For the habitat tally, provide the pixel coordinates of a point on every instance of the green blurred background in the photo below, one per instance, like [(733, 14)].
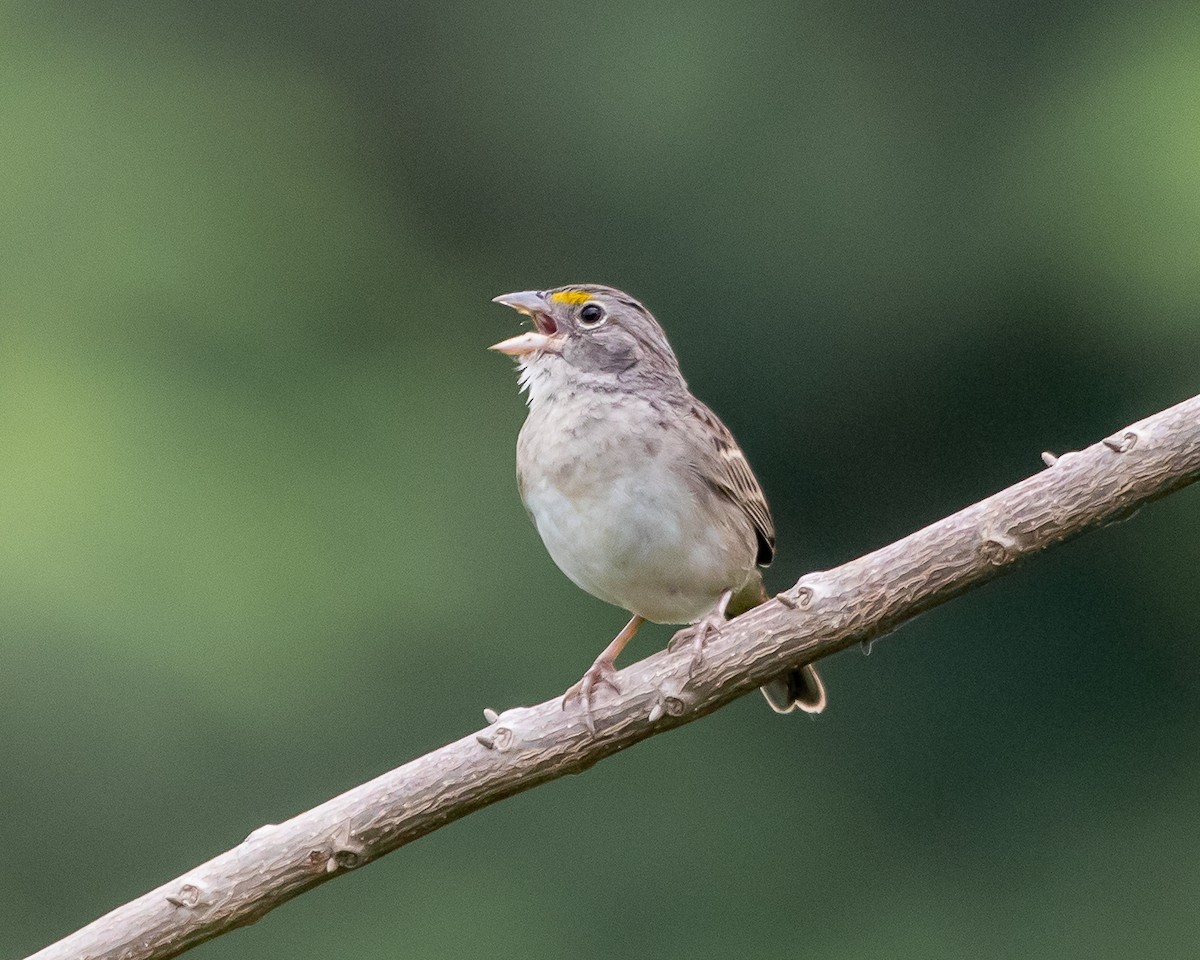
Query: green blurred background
[(260, 538)]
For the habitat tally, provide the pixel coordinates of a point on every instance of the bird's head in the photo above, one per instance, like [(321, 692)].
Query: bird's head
[(598, 331)]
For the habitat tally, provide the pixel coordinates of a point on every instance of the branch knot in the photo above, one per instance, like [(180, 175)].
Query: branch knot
[(188, 896), (1122, 442), (998, 549)]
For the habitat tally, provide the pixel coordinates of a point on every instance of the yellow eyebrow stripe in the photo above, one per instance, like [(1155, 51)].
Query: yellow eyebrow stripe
[(571, 296)]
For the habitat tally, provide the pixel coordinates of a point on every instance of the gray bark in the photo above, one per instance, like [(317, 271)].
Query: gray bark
[(822, 613)]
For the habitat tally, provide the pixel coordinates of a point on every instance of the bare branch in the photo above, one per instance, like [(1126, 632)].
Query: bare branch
[(823, 613)]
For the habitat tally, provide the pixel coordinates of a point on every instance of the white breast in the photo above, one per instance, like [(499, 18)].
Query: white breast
[(620, 514)]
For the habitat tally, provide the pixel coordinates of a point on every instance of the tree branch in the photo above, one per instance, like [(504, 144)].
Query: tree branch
[(823, 613)]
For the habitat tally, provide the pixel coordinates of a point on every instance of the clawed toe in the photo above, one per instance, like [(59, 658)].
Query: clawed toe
[(699, 632), (696, 636), (600, 673)]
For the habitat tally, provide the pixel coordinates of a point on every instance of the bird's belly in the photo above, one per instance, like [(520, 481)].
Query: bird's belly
[(646, 546)]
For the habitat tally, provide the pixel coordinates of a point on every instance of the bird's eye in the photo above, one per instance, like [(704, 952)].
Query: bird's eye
[(591, 314)]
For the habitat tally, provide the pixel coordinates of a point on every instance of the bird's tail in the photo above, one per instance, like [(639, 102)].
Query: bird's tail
[(799, 688)]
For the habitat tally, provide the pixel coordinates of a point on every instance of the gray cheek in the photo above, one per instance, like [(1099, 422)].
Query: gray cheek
[(606, 349), (613, 354), (617, 362)]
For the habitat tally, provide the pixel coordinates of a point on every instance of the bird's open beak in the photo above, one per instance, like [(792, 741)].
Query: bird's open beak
[(544, 337)]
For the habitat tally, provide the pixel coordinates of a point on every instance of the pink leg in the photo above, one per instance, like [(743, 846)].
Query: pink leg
[(699, 632), (601, 672)]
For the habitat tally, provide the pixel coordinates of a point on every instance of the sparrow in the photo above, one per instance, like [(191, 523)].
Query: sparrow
[(640, 493)]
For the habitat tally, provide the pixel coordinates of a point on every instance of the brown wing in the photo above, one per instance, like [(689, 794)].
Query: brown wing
[(733, 478)]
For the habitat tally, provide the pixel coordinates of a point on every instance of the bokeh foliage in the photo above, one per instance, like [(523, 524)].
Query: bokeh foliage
[(259, 537)]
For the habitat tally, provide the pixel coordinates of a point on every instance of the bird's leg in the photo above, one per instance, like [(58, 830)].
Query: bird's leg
[(601, 672), (699, 632)]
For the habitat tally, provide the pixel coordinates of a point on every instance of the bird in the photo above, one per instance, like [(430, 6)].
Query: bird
[(638, 490)]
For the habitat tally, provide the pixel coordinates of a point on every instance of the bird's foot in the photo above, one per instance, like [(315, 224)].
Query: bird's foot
[(599, 674), (697, 635)]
